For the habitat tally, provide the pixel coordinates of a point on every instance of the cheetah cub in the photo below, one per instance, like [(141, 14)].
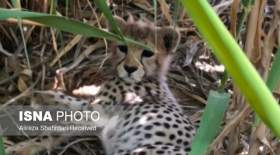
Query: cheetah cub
[(139, 114)]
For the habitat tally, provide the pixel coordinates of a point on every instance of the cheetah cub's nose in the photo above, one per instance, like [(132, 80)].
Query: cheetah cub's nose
[(130, 69)]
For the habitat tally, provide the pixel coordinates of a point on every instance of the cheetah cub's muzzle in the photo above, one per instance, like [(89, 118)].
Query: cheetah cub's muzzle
[(134, 63)]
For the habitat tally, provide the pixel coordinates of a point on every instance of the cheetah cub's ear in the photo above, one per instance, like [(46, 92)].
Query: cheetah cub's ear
[(168, 39)]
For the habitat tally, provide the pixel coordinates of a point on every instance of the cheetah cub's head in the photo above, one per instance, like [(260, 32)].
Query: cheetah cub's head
[(134, 63)]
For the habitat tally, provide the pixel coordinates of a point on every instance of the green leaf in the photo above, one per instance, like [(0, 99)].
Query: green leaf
[(2, 150), (229, 53), (247, 3), (65, 24), (217, 103), (107, 12), (58, 22), (16, 3), (155, 9), (273, 80), (53, 7)]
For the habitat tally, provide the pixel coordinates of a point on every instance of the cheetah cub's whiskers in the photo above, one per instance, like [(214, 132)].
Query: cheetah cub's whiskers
[(141, 115)]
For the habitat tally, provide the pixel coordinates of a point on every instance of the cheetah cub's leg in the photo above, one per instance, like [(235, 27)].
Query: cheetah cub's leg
[(73, 103), (59, 98), (154, 150), (42, 143)]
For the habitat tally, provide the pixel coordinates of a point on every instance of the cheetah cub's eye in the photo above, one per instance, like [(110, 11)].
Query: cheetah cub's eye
[(123, 49), (147, 53)]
